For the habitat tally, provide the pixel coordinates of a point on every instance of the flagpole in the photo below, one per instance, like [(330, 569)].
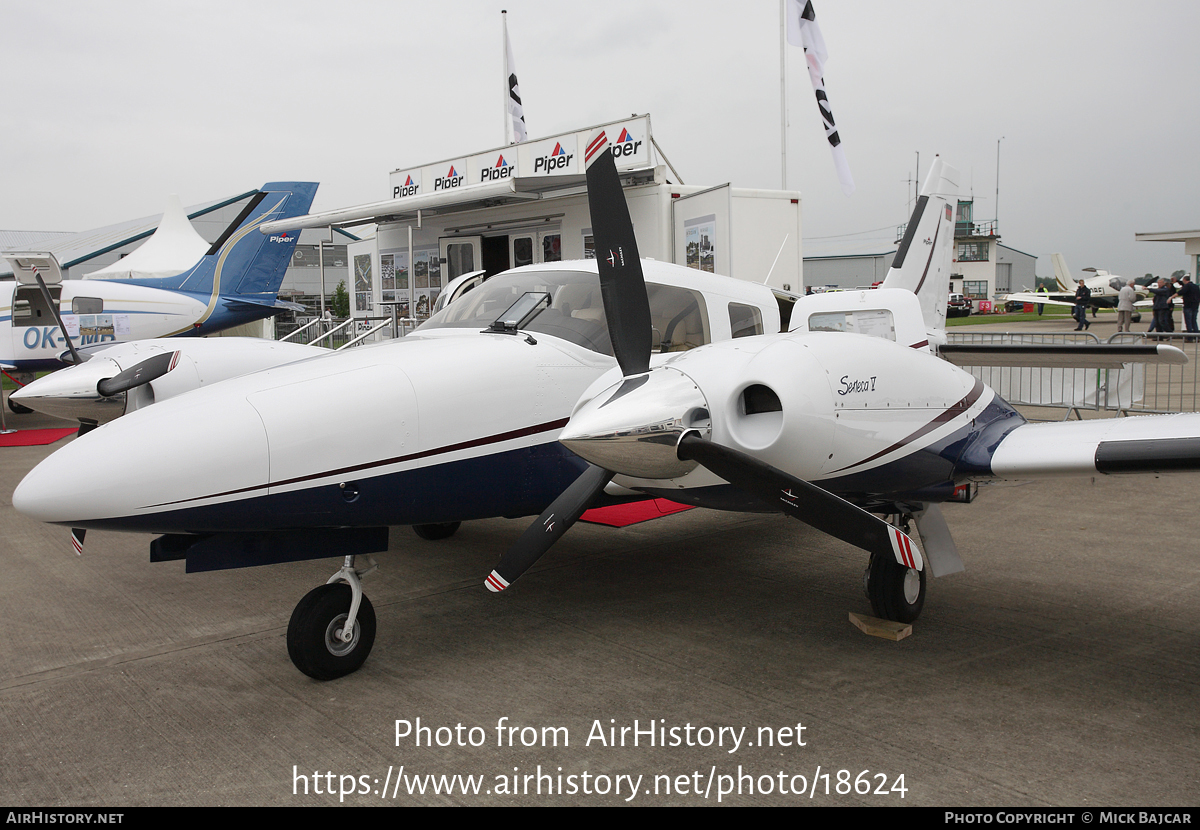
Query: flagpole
[(783, 92), (504, 61)]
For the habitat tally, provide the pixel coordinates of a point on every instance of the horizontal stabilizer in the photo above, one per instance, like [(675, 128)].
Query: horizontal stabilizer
[(265, 302), (1146, 444), (1069, 356)]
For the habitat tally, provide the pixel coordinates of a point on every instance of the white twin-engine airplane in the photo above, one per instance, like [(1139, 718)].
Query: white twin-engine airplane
[(509, 402), (236, 282)]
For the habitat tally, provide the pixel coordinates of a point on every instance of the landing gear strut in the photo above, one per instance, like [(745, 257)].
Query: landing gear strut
[(333, 628), (896, 591)]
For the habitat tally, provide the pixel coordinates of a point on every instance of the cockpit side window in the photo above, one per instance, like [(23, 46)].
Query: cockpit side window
[(745, 320), (678, 318)]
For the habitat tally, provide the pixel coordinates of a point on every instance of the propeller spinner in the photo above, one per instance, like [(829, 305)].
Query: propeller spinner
[(654, 423)]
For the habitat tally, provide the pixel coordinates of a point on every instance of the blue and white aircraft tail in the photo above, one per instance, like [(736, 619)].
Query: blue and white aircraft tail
[(239, 277), (236, 282)]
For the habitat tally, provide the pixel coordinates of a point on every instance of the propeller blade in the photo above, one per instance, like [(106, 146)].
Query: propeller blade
[(552, 524), (149, 369), (801, 500), (57, 317), (622, 286)]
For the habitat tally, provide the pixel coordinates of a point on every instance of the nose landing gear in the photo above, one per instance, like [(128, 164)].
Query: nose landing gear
[(332, 628)]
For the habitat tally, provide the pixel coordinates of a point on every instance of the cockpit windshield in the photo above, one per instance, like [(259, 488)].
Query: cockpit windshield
[(576, 312)]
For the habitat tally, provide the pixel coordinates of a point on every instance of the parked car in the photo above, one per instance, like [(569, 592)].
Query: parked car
[(958, 306)]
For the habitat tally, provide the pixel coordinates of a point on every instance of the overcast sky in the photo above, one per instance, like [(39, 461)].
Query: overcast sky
[(111, 106)]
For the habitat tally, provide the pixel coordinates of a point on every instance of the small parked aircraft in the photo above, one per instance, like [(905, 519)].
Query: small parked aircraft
[(834, 410), (236, 282), (1104, 288)]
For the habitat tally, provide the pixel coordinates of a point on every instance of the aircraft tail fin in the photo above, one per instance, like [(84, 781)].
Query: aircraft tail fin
[(243, 262), (1062, 273), (923, 262)]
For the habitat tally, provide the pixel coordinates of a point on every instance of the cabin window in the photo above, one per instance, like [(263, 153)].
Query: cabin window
[(745, 320), (874, 323), (678, 318), (87, 305)]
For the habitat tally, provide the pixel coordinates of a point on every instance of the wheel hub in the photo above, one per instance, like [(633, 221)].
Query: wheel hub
[(334, 633), (912, 586)]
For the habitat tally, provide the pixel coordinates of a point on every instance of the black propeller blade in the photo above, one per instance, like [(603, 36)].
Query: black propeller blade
[(627, 308), (552, 524), (149, 369), (806, 502), (621, 283)]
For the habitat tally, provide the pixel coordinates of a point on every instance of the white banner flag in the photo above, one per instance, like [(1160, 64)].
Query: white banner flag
[(515, 111), (802, 30)]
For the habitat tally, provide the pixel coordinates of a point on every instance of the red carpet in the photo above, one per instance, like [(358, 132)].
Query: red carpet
[(620, 515), (35, 437)]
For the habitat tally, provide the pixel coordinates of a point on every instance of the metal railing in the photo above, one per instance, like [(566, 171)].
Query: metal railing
[(335, 333), (1134, 389)]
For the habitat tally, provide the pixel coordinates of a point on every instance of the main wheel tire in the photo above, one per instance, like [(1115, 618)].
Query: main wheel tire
[(896, 592), (436, 531), (311, 637), (18, 408)]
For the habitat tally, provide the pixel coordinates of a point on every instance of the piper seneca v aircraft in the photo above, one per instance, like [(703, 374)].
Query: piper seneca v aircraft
[(847, 415)]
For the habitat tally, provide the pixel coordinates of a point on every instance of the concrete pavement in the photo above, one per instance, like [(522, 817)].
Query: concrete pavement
[(1060, 669)]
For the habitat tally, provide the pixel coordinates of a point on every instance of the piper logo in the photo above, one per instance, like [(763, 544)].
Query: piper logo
[(451, 179), (283, 237), (625, 145), (409, 188), (557, 160), (500, 170)]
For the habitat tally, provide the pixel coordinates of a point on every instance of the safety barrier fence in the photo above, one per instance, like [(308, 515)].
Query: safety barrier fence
[(1135, 388)]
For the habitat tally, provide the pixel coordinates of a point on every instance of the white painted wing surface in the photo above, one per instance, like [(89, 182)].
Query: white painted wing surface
[(1146, 444)]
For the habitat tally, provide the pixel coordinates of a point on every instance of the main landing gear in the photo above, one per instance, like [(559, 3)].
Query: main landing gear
[(442, 530), (333, 628), (896, 591)]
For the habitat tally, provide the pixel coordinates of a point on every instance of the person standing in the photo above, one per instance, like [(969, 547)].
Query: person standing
[(1189, 294), (1163, 292), (1125, 300), (1083, 298)]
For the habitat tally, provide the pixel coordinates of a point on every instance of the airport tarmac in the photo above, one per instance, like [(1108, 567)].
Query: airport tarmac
[(1061, 669)]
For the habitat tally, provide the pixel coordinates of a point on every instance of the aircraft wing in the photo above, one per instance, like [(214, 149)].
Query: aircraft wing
[(1050, 299), (1145, 444), (1060, 356)]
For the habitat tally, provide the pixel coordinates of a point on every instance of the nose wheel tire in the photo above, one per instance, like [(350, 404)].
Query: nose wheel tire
[(896, 592), (434, 532), (314, 638)]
